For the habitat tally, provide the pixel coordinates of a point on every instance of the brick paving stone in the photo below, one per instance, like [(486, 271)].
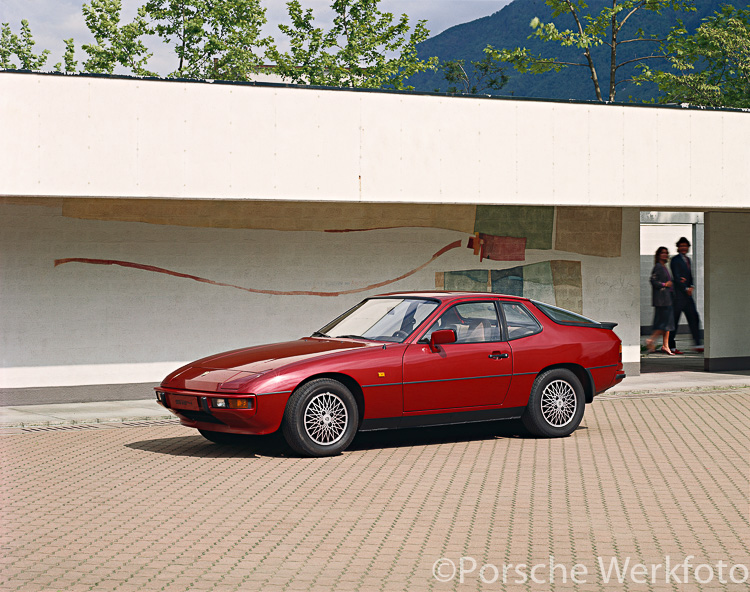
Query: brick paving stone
[(152, 507)]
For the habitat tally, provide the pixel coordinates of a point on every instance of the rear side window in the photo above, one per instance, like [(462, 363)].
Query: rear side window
[(560, 315), (521, 323), (473, 322)]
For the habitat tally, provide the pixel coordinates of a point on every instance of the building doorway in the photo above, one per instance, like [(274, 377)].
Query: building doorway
[(665, 229)]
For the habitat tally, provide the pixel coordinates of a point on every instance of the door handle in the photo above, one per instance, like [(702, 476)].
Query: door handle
[(497, 355)]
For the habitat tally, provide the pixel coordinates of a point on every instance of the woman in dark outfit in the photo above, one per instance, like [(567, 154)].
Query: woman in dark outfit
[(662, 293)]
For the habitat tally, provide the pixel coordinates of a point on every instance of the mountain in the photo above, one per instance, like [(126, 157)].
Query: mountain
[(509, 28)]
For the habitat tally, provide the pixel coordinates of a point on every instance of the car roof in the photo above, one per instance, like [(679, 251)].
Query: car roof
[(445, 295)]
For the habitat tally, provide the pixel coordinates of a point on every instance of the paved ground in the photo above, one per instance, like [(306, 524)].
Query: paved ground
[(152, 506)]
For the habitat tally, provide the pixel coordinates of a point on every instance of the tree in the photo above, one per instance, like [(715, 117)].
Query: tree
[(364, 47), (710, 67), (20, 46), (212, 38), (115, 45), (591, 30), (68, 58), (486, 74)]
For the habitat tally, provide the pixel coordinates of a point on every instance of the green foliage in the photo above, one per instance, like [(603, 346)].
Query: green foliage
[(211, 38), (486, 75), (68, 57), (710, 67), (22, 47), (591, 29), (115, 45), (355, 50)]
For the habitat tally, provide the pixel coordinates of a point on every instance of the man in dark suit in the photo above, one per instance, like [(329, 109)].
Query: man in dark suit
[(682, 272)]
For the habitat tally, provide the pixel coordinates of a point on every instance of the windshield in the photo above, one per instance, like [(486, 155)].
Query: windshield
[(380, 319)]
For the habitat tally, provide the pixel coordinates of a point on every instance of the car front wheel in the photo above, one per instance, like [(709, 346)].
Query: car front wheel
[(556, 404), (320, 418)]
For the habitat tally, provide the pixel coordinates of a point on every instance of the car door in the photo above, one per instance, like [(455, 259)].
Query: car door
[(474, 371)]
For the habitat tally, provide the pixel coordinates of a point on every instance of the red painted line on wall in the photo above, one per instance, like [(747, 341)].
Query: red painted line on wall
[(363, 229), (152, 268)]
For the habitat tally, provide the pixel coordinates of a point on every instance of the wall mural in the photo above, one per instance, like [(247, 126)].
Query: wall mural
[(152, 268), (497, 233), (555, 281)]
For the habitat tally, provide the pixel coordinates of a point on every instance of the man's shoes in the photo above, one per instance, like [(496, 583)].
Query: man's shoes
[(677, 352), (699, 349)]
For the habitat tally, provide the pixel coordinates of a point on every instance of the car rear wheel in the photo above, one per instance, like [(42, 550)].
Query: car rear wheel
[(321, 418), (556, 404)]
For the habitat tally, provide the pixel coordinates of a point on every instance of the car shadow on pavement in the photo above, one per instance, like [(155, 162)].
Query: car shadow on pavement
[(197, 446), (439, 435), (273, 445)]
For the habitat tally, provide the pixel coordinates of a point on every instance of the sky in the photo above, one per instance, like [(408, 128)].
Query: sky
[(52, 21)]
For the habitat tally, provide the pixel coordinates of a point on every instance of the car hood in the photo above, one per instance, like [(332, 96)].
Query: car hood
[(229, 370), (263, 358)]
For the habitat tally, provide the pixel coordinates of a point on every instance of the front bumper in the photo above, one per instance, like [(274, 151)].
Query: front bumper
[(196, 410)]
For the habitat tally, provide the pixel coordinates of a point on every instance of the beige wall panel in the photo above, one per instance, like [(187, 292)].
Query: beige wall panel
[(498, 176), (589, 231), (673, 143), (457, 153), (211, 124), (49, 202), (605, 181), (110, 138), (735, 172), (271, 215), (163, 138), (414, 130), (727, 274), (535, 153), (82, 136), (571, 144), (706, 154), (253, 144), (640, 154), (315, 147), (72, 125)]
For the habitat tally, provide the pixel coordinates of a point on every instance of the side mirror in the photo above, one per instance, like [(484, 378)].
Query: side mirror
[(441, 336)]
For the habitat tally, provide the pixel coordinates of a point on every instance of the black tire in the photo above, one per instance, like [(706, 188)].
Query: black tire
[(556, 404), (223, 437), (321, 418)]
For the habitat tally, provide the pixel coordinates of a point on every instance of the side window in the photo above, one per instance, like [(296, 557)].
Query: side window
[(473, 322), (521, 323)]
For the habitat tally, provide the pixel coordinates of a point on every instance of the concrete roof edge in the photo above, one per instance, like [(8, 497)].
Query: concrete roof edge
[(683, 106)]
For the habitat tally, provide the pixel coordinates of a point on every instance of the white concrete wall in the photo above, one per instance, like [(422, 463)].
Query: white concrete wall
[(92, 324), (85, 136), (727, 290)]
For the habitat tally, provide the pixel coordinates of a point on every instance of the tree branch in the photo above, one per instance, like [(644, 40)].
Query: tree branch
[(652, 57), (644, 39), (631, 13)]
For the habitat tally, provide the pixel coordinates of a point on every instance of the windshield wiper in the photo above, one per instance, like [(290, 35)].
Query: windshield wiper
[(352, 337), (319, 334)]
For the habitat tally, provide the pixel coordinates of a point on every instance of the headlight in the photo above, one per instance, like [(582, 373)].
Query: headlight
[(217, 403)]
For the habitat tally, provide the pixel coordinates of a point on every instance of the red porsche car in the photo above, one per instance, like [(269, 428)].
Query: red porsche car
[(404, 360)]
